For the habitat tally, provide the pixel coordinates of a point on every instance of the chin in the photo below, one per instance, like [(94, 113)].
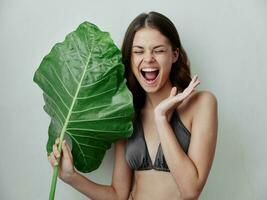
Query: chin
[(151, 89)]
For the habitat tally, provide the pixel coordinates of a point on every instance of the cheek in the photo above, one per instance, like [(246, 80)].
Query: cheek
[(166, 62), (134, 67), (136, 61), (167, 65)]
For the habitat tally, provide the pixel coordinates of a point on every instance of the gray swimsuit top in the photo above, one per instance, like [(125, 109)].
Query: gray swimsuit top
[(136, 151)]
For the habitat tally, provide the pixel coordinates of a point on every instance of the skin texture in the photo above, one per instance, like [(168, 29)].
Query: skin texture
[(198, 112)]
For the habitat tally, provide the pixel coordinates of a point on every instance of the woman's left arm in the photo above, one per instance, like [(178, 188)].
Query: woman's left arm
[(191, 171)]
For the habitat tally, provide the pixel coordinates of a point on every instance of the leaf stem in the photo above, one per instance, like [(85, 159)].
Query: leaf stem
[(55, 170), (53, 183)]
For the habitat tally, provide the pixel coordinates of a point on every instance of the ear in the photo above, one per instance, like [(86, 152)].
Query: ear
[(175, 55)]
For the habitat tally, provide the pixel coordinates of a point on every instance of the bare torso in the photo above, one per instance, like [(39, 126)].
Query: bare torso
[(153, 184)]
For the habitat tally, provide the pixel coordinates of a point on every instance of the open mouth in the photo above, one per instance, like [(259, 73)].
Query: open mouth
[(150, 74)]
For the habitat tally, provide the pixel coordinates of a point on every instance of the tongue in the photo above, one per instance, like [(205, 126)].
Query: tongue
[(151, 75)]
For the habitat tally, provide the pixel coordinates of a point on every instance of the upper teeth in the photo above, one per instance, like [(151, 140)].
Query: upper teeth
[(149, 69)]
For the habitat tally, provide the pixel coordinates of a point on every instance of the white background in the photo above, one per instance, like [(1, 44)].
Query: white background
[(226, 43)]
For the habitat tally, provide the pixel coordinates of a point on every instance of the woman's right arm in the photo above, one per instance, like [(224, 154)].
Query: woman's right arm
[(121, 178)]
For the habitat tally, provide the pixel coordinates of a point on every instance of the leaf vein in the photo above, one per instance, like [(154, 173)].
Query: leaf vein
[(55, 91), (99, 94), (77, 145), (80, 111), (92, 130), (100, 119), (65, 61), (53, 101), (62, 83)]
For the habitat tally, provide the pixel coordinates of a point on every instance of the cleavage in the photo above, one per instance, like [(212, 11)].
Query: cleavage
[(151, 139)]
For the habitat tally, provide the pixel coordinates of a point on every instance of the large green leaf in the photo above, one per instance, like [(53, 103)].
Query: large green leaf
[(85, 94)]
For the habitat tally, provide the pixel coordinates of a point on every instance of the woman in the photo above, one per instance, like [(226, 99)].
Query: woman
[(170, 153)]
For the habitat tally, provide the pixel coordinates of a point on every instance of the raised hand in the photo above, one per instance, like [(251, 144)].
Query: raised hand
[(167, 106)]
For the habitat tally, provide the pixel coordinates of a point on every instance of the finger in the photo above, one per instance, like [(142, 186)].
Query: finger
[(55, 151), (48, 157), (53, 160), (57, 141), (187, 91), (192, 82), (66, 150), (173, 92), (196, 83), (194, 78)]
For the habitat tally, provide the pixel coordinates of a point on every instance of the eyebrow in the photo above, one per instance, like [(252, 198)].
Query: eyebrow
[(140, 47), (137, 46)]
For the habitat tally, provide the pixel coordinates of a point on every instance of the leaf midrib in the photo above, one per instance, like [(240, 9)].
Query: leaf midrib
[(76, 93)]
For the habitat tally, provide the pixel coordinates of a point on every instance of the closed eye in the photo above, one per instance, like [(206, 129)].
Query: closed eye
[(159, 50), (138, 52)]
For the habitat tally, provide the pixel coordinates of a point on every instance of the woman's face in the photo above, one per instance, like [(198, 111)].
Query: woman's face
[(152, 58)]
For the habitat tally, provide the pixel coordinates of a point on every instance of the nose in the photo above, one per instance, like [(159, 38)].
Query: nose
[(148, 57)]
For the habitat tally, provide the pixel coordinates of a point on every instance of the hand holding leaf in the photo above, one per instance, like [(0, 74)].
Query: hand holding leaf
[(66, 168)]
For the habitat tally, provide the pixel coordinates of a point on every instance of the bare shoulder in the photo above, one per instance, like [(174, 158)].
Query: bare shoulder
[(196, 107), (204, 109), (202, 99), (198, 103)]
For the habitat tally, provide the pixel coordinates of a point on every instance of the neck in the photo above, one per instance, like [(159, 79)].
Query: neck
[(153, 99)]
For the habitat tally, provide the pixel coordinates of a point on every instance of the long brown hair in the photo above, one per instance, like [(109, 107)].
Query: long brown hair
[(180, 75)]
